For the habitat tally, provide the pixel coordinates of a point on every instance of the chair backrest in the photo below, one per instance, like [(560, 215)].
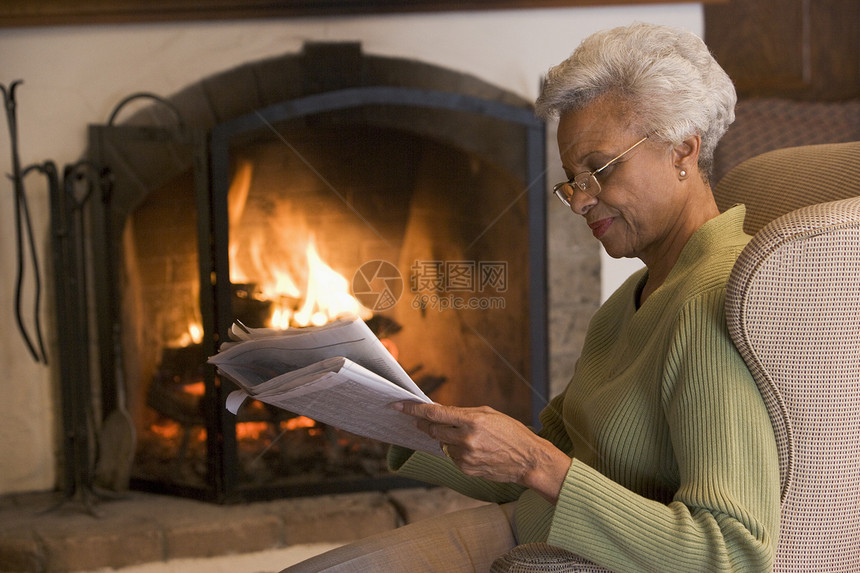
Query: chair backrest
[(793, 310), (780, 181)]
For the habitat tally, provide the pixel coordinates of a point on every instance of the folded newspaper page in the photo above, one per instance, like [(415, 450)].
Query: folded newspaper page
[(338, 374)]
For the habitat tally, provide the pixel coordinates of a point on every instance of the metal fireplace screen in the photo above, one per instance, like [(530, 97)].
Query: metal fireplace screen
[(419, 210)]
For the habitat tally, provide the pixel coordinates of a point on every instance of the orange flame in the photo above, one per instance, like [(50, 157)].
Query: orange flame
[(297, 422), (327, 295), (193, 335), (281, 256), (251, 430), (195, 389), (167, 429)]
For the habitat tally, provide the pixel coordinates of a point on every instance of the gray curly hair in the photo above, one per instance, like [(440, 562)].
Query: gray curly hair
[(672, 83)]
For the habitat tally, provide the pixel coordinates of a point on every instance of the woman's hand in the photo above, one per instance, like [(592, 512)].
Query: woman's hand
[(488, 444)]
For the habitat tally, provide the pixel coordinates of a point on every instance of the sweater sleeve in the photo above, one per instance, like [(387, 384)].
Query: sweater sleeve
[(725, 514), (442, 471)]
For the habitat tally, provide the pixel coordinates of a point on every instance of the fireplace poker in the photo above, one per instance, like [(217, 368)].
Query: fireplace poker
[(23, 234)]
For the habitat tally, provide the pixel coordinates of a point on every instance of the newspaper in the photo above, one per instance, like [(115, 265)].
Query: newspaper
[(338, 374)]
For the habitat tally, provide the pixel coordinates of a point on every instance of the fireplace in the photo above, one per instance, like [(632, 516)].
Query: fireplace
[(282, 194)]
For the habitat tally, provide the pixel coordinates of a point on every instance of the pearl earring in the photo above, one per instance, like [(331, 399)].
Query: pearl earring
[(682, 173)]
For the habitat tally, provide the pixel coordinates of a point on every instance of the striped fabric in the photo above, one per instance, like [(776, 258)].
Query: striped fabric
[(793, 309)]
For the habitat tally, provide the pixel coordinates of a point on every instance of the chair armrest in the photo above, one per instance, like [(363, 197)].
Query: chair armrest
[(543, 557)]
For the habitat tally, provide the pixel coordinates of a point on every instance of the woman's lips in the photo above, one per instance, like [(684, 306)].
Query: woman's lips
[(599, 228)]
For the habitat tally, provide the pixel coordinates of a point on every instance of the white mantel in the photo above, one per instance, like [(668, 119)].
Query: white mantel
[(74, 76)]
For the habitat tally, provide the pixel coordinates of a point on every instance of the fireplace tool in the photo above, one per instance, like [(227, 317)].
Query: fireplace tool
[(24, 236), (68, 201)]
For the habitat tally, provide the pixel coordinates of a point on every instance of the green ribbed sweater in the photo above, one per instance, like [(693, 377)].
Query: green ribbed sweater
[(674, 459)]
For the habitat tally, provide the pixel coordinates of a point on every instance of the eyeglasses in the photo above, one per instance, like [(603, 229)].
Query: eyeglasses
[(587, 181)]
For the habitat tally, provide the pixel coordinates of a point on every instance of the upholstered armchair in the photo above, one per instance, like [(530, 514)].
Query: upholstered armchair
[(793, 311)]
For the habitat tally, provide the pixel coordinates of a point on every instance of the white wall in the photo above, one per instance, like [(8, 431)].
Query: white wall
[(76, 75), (613, 272)]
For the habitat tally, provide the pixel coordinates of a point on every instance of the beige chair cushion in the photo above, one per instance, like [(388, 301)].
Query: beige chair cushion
[(783, 180)]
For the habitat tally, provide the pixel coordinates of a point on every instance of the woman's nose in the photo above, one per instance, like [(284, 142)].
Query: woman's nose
[(581, 202)]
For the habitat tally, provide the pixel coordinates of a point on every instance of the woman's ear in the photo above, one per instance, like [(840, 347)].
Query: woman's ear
[(685, 155)]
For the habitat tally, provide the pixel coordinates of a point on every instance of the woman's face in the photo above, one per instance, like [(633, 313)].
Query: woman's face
[(640, 201)]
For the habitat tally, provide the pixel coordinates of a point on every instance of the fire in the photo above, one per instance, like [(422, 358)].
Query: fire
[(196, 389), (193, 335), (297, 422), (327, 295), (167, 429), (173, 431), (251, 430), (280, 258), (195, 331)]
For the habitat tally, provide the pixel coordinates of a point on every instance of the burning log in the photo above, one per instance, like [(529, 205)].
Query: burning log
[(249, 306)]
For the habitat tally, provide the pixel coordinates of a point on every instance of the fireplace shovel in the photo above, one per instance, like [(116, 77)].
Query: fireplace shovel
[(116, 451), (118, 438)]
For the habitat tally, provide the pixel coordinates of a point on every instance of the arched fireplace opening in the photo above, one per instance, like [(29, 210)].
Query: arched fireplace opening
[(319, 168)]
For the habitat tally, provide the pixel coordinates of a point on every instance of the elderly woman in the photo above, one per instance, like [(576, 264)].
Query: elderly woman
[(659, 455)]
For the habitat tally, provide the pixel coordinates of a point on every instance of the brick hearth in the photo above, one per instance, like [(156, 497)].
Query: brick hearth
[(38, 535)]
